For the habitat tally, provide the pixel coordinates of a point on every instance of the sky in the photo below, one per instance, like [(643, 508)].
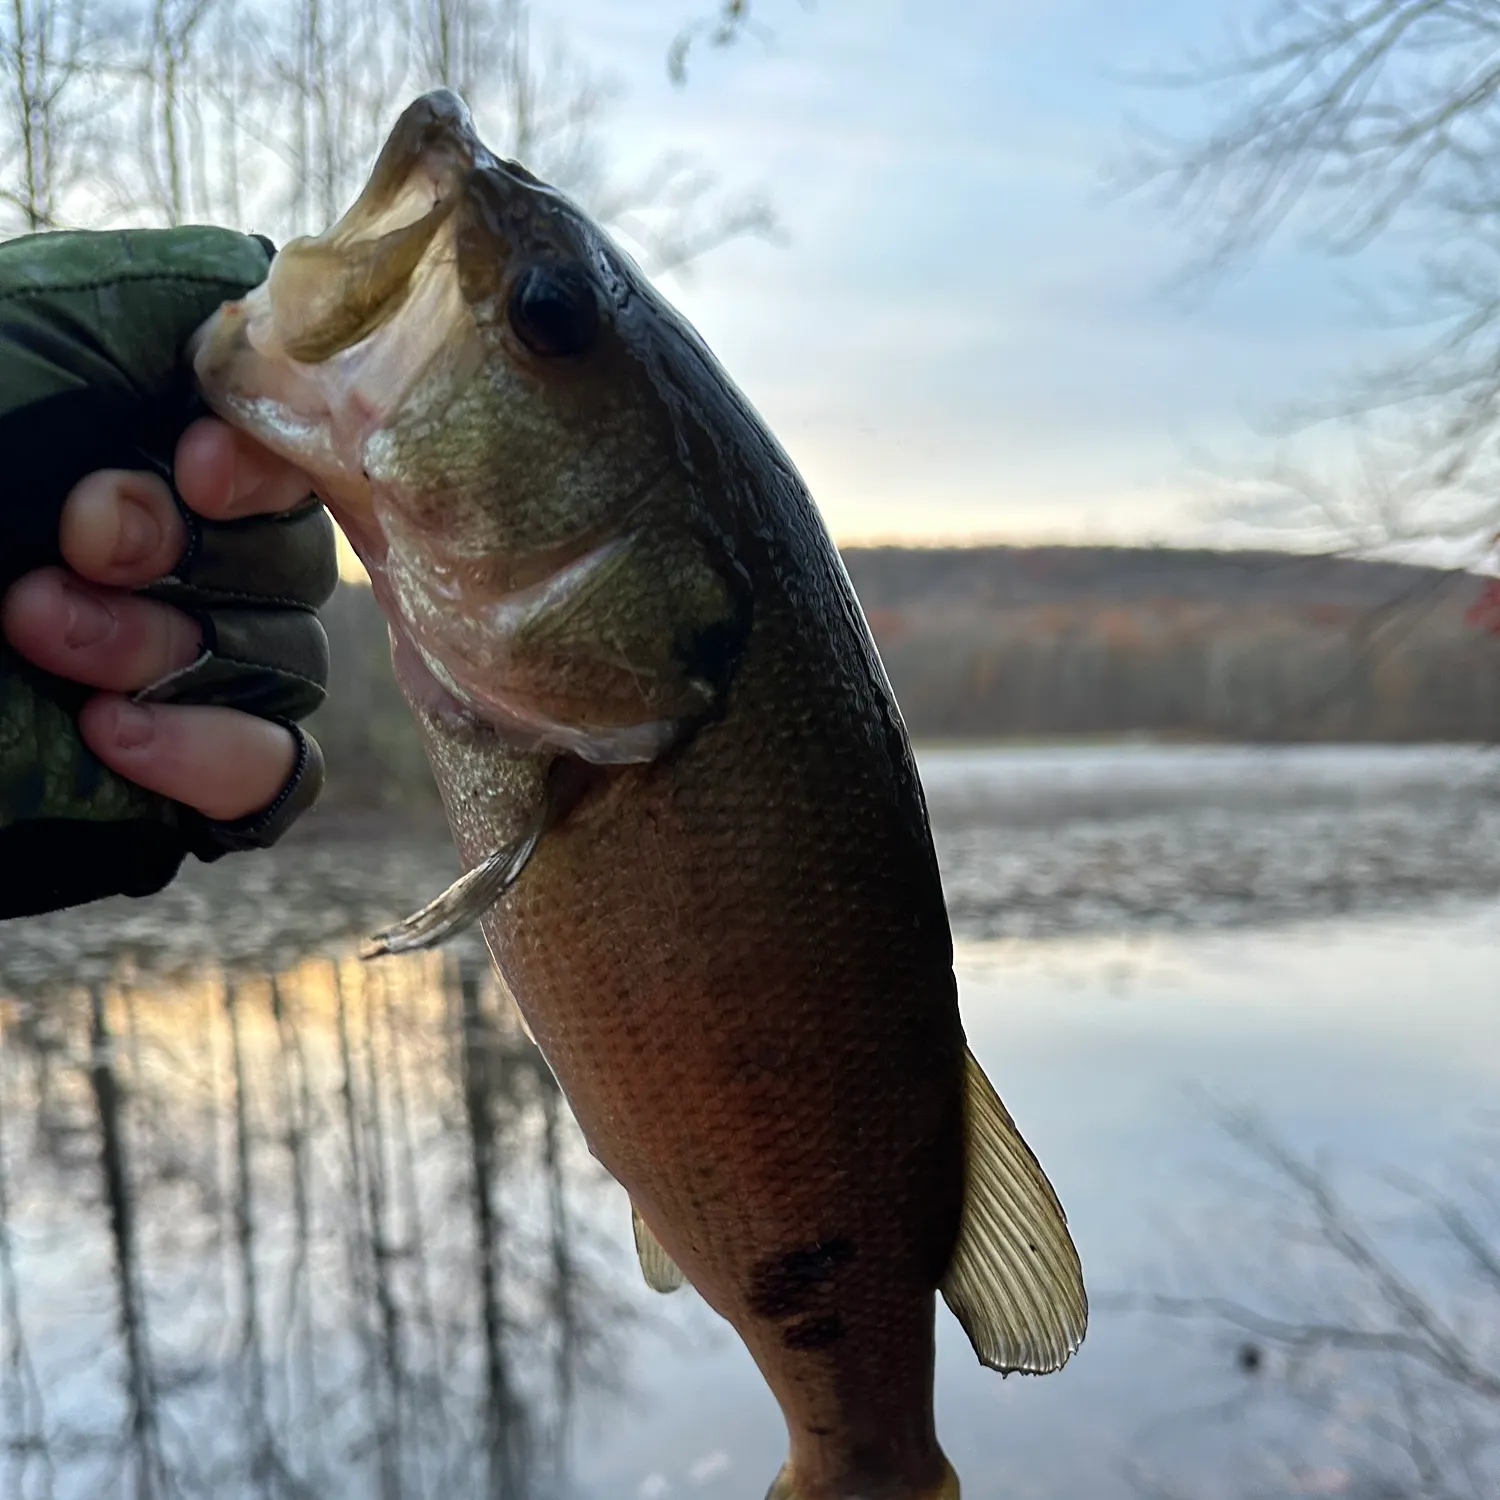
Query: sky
[(968, 331)]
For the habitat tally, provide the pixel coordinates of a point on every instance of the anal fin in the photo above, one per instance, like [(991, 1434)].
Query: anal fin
[(660, 1270), (1015, 1282)]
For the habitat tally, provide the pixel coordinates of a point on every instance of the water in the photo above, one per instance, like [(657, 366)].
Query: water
[(280, 1224)]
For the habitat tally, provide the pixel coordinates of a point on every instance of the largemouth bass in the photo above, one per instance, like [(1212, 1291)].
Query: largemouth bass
[(679, 782)]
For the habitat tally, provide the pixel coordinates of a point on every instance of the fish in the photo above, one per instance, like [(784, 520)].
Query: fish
[(682, 791)]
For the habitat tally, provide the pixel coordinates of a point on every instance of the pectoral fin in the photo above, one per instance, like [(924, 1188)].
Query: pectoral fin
[(659, 1269), (1015, 1282), (464, 902)]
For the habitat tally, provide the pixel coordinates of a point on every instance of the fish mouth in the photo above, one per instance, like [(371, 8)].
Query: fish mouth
[(326, 293), (436, 193), (389, 311), (350, 321), (329, 292), (400, 294)]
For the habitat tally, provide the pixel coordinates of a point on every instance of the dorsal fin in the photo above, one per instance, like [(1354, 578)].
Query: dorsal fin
[(1015, 1282)]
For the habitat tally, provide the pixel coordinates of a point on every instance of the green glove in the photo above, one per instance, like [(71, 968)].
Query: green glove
[(92, 376)]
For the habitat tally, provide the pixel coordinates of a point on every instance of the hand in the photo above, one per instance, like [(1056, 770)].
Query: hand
[(96, 413), (120, 530)]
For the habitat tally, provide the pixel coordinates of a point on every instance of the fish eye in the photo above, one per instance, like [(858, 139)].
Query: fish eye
[(554, 310)]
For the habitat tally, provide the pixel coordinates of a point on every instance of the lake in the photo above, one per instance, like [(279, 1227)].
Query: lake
[(280, 1224)]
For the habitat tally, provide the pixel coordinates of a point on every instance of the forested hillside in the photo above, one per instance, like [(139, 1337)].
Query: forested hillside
[(1235, 645)]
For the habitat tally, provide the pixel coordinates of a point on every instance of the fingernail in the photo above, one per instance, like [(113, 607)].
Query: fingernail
[(135, 724), (89, 620), (139, 534)]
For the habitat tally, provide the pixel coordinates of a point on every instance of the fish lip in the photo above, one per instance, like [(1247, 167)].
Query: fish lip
[(436, 139), (442, 116), (435, 136)]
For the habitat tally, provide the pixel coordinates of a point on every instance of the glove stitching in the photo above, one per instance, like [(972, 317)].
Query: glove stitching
[(218, 596), (194, 531), (221, 596), (255, 822), (261, 666), (140, 695)]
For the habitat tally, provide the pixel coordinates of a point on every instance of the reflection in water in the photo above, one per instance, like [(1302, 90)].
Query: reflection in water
[(279, 1225), (313, 1232)]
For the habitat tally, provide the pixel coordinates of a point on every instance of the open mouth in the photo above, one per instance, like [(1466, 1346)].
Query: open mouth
[(352, 353), (331, 291), (350, 322)]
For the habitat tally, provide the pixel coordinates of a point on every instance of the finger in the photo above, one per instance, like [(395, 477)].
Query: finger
[(225, 764), (121, 527), (222, 474), (96, 636)]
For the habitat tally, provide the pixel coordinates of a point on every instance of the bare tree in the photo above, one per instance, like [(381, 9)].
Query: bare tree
[(268, 117), (359, 62), (537, 103), (727, 25), (51, 50), (487, 1075), (459, 38), (543, 106), (1376, 1334), (150, 1475), (1343, 123), (349, 65), (170, 79), (21, 1395)]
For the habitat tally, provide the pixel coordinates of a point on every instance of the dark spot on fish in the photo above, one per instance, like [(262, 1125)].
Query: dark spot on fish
[(709, 651), (782, 1286), (814, 1333), (709, 654)]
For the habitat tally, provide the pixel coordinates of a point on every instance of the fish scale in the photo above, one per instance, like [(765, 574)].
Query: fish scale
[(690, 820)]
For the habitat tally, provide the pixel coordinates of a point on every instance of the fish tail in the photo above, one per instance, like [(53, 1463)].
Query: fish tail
[(786, 1488)]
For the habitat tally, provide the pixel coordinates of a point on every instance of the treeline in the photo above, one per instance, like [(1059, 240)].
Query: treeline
[(996, 642)]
